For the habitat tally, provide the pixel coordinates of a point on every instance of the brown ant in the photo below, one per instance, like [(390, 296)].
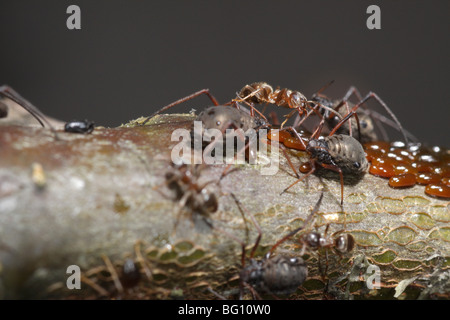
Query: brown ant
[(182, 180), (273, 274), (11, 94), (262, 92)]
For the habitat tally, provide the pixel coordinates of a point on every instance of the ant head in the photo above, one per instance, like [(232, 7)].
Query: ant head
[(313, 239), (344, 243), (298, 99)]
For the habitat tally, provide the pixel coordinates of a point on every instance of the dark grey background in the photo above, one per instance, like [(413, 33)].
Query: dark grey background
[(132, 57)]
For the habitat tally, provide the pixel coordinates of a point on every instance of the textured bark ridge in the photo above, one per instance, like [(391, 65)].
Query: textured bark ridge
[(97, 200)]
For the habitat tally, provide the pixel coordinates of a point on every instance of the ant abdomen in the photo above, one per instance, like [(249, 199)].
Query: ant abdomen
[(257, 92)]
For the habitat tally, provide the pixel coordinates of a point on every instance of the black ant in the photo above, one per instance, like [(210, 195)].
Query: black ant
[(79, 126), (11, 94), (273, 274)]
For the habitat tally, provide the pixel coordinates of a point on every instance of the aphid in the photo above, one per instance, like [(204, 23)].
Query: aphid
[(340, 153), (11, 94), (182, 180), (273, 274), (79, 126), (366, 119), (262, 92), (352, 112), (131, 275)]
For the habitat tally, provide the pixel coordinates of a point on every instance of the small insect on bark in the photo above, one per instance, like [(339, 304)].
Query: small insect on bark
[(79, 126), (183, 182), (273, 274), (338, 242)]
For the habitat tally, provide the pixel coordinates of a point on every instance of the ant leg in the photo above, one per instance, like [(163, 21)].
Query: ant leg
[(179, 101), (312, 161), (255, 223), (13, 95), (293, 232)]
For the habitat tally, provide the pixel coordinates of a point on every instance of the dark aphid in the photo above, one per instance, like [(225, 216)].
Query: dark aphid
[(366, 119), (353, 111), (79, 126), (274, 274), (339, 153), (364, 126), (11, 94), (130, 274), (278, 274)]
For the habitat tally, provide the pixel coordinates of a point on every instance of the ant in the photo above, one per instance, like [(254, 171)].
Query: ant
[(77, 126), (262, 92), (182, 180), (224, 117), (273, 274)]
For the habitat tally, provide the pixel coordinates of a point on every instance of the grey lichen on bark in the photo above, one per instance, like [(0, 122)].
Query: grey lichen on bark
[(74, 200)]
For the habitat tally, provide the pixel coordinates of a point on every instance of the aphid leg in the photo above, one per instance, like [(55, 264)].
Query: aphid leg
[(341, 177), (179, 101), (13, 95), (383, 104), (313, 168)]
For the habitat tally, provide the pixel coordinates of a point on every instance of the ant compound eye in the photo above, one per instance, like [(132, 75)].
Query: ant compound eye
[(363, 124), (357, 164)]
